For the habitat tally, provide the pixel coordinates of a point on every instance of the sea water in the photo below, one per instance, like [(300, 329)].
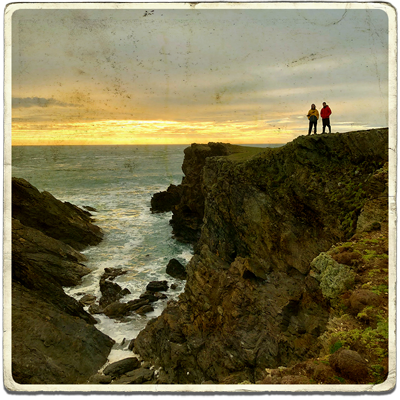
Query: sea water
[(117, 181)]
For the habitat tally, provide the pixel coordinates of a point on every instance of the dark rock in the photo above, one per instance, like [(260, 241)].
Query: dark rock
[(119, 310), (125, 291), (141, 375), (247, 304), (53, 341), (111, 292), (295, 380), (100, 379), (157, 286), (160, 296), (87, 299), (137, 303), (362, 298), (51, 331), (112, 273), (116, 310), (131, 344), (89, 208), (187, 217), (176, 269), (349, 365), (121, 367), (165, 201), (144, 309), (53, 338), (135, 377), (149, 296), (324, 373), (174, 286), (95, 309), (61, 221), (42, 256)]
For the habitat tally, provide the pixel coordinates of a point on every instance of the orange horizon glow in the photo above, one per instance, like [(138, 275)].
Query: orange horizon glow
[(136, 132)]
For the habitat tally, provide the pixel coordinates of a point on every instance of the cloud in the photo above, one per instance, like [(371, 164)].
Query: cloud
[(25, 102), (204, 66)]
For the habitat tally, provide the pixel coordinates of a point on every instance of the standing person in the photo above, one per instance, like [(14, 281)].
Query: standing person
[(325, 113), (313, 116)]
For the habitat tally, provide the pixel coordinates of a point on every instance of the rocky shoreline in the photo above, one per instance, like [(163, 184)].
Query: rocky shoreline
[(288, 284), (54, 341)]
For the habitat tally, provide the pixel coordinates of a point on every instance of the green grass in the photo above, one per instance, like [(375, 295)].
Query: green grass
[(244, 153)]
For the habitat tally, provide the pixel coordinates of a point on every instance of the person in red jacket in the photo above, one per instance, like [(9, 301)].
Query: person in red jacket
[(325, 113)]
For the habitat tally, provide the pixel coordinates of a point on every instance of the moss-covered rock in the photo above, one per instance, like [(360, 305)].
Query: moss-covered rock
[(334, 278)]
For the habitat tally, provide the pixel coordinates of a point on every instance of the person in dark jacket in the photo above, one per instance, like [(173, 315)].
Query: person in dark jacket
[(313, 116), (325, 113)]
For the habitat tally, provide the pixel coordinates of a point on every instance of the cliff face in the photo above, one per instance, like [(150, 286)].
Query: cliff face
[(252, 298), (54, 340)]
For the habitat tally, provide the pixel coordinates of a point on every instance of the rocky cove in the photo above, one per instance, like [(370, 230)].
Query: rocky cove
[(288, 283)]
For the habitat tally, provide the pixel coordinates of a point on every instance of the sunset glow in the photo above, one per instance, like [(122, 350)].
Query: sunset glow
[(192, 75), (146, 132)]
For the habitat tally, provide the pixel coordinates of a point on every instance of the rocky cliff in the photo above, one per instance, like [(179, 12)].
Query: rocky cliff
[(54, 340), (257, 296)]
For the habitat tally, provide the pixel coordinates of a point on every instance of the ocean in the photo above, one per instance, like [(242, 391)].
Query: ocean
[(118, 181)]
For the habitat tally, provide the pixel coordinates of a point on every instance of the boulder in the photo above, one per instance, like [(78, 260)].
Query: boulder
[(112, 273), (87, 299), (116, 310), (144, 309), (111, 292), (157, 286), (149, 296), (166, 201), (95, 309), (333, 278), (349, 365), (100, 379), (176, 269), (362, 298), (119, 310), (121, 367), (135, 377), (324, 373)]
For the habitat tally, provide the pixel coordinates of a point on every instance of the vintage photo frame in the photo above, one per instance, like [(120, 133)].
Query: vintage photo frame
[(386, 386)]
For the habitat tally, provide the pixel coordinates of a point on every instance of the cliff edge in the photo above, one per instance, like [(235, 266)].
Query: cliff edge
[(54, 340), (273, 231)]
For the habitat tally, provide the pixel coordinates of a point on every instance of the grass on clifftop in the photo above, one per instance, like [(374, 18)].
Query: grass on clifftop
[(244, 153)]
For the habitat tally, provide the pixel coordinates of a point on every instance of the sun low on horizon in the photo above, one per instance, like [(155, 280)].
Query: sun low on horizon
[(147, 75)]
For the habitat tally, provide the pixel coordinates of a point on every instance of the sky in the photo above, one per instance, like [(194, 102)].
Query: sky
[(180, 76)]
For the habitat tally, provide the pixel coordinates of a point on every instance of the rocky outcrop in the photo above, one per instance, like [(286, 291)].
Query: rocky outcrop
[(176, 269), (128, 371), (187, 200), (166, 201), (54, 340), (62, 221), (253, 299)]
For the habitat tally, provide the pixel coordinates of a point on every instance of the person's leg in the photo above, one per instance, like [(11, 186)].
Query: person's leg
[(315, 127), (329, 125), (309, 128), (323, 125)]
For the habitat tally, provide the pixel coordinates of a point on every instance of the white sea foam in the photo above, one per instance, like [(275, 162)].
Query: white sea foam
[(118, 181)]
